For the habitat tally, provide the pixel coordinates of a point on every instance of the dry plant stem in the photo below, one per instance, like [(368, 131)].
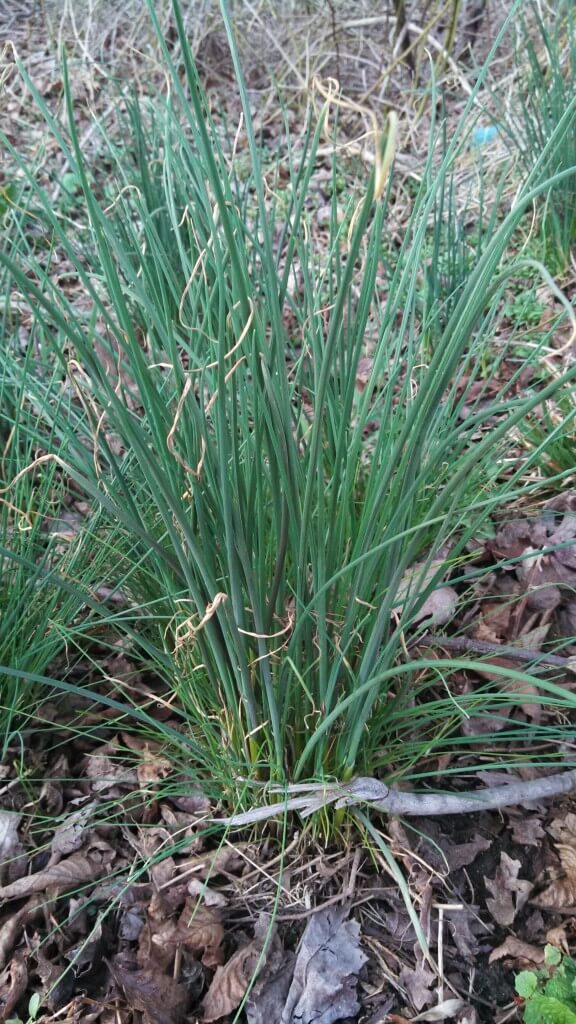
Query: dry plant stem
[(404, 804), (464, 643)]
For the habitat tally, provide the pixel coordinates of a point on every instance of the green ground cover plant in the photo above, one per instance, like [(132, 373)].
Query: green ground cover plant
[(549, 995), (275, 530)]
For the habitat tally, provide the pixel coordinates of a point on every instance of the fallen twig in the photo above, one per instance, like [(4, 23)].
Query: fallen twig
[(465, 643), (400, 803)]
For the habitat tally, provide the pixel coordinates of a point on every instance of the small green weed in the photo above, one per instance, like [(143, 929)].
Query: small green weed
[(524, 309), (550, 994), (33, 1009)]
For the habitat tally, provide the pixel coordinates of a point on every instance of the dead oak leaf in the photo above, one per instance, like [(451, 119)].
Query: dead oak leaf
[(526, 830), (418, 984), (561, 892), (509, 892)]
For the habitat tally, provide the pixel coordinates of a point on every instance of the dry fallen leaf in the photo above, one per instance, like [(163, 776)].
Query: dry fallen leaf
[(561, 893), (106, 768), (230, 983), (198, 929), (418, 983), (439, 606), (268, 996), (147, 989), (13, 985), (85, 866), (10, 846), (510, 892), (11, 930), (328, 962), (527, 830), (524, 955)]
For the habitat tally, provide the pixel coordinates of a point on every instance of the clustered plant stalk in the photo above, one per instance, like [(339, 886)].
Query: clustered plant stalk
[(256, 510)]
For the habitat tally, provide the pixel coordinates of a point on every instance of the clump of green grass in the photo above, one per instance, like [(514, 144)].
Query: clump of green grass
[(203, 398), (546, 87), (46, 581)]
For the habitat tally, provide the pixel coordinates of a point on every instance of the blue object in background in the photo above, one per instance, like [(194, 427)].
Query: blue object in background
[(482, 136)]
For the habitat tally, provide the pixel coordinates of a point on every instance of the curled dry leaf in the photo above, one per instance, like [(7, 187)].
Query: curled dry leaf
[(85, 866), (510, 892), (230, 983), (147, 989), (69, 834), (561, 893), (106, 767), (211, 897), (13, 985), (524, 955), (12, 927), (10, 845), (268, 996), (198, 929), (445, 1010)]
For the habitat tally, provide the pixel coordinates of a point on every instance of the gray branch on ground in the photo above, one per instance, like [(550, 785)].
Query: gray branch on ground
[(400, 803)]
